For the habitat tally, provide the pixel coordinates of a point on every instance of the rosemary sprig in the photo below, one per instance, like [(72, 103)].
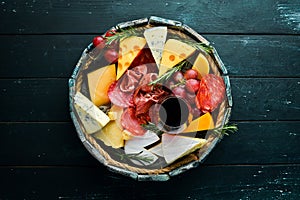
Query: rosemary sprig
[(166, 76), (197, 45), (152, 127), (225, 130), (135, 156), (123, 34)]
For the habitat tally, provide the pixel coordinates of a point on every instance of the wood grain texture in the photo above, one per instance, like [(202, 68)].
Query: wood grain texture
[(56, 55), (207, 16), (58, 144), (205, 182), (47, 99)]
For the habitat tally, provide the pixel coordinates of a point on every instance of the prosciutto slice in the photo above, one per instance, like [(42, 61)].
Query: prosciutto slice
[(117, 97), (130, 122), (120, 93)]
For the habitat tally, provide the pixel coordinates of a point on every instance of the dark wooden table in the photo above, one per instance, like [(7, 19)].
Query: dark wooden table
[(41, 156)]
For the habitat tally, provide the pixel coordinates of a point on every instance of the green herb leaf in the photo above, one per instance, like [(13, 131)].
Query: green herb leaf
[(196, 45), (121, 35), (226, 129), (135, 156), (166, 76), (200, 46), (152, 127)]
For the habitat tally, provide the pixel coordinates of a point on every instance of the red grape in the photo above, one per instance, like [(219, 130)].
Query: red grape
[(179, 91), (111, 55), (99, 42), (178, 76), (192, 85), (191, 74), (110, 33), (190, 97), (170, 84)]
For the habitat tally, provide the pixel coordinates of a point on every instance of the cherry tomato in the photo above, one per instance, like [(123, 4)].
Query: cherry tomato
[(111, 55), (179, 91), (191, 74), (177, 76), (192, 85), (110, 33), (99, 42)]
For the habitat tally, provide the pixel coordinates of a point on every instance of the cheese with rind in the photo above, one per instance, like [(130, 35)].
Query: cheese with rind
[(156, 38), (99, 82), (174, 52), (201, 65), (111, 135), (204, 122), (91, 117), (129, 49), (175, 146), (136, 144), (157, 150)]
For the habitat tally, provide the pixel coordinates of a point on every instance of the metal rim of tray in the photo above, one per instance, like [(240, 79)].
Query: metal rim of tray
[(174, 169)]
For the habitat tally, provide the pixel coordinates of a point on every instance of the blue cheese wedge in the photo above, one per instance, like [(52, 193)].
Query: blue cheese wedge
[(156, 38), (176, 146), (91, 117)]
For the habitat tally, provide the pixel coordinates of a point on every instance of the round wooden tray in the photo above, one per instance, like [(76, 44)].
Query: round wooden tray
[(162, 173)]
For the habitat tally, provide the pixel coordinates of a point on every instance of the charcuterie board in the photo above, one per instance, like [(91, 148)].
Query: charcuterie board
[(150, 98)]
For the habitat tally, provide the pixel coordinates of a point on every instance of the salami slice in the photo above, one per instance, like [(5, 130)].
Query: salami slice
[(211, 93)]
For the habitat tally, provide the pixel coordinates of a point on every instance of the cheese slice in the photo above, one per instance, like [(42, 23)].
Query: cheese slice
[(204, 122), (157, 150), (136, 144), (111, 135), (174, 52), (99, 82), (139, 142), (175, 146), (91, 117), (156, 38), (129, 49), (201, 65)]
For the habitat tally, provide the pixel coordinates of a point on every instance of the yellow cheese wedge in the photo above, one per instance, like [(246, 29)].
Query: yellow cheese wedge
[(115, 112), (204, 122), (201, 65), (99, 82), (129, 49), (176, 146), (111, 135), (174, 52)]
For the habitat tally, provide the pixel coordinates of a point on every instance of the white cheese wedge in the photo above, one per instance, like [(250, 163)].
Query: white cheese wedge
[(139, 142), (91, 117), (157, 150), (156, 38), (135, 145), (175, 146)]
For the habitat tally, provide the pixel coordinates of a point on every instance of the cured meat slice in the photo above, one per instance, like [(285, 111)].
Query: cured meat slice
[(211, 93), (120, 92), (130, 122), (117, 97)]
